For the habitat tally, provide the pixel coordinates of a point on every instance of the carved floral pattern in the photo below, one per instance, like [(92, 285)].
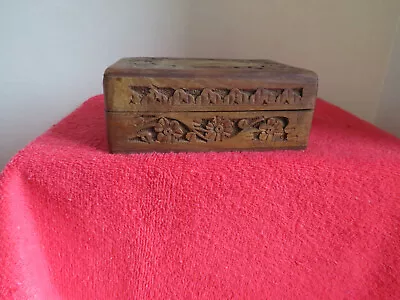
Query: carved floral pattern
[(270, 129), (168, 131), (218, 129), (207, 96), (152, 129)]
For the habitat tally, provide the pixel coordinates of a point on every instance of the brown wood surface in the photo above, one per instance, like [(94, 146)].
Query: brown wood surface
[(194, 67), (173, 104), (208, 131), (122, 95), (156, 78)]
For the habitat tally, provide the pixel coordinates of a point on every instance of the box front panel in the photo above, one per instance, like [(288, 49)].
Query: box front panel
[(207, 131)]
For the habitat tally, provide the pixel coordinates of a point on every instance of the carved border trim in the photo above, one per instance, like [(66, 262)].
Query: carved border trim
[(208, 96)]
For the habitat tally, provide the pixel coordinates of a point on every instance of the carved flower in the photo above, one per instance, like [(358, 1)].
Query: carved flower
[(168, 131), (272, 127), (218, 129)]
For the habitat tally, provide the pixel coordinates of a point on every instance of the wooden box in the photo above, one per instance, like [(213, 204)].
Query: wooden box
[(169, 104)]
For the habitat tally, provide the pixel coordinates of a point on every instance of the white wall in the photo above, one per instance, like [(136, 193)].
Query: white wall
[(53, 53), (388, 117)]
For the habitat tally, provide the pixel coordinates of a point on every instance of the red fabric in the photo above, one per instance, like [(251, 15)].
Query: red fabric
[(79, 223)]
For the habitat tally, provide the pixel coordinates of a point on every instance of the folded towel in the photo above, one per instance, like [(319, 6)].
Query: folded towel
[(79, 223)]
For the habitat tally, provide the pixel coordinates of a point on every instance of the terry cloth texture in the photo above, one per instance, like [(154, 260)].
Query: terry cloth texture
[(79, 223)]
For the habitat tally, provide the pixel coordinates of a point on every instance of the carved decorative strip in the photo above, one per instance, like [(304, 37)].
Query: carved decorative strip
[(156, 129), (207, 96)]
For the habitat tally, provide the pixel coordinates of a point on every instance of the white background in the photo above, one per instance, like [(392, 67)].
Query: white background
[(53, 53)]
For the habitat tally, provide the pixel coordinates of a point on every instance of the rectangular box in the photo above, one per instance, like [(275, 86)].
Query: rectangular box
[(172, 104)]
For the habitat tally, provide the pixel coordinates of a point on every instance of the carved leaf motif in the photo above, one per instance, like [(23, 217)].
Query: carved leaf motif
[(180, 97), (244, 123), (208, 96), (155, 96), (263, 136), (235, 96), (288, 96), (263, 96), (145, 136), (275, 123), (191, 136), (135, 97)]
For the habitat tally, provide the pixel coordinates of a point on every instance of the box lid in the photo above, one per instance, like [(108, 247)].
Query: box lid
[(164, 66), (197, 84)]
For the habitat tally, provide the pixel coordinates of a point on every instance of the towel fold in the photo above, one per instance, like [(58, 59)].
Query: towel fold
[(79, 223)]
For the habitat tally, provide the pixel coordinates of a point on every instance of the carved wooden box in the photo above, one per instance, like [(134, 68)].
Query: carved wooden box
[(165, 104)]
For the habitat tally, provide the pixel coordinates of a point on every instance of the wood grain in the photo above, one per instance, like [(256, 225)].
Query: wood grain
[(173, 104), (208, 131)]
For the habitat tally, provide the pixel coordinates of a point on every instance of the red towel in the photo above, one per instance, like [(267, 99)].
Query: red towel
[(79, 223)]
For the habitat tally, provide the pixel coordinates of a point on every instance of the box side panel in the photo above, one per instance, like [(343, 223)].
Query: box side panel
[(160, 94), (208, 131)]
